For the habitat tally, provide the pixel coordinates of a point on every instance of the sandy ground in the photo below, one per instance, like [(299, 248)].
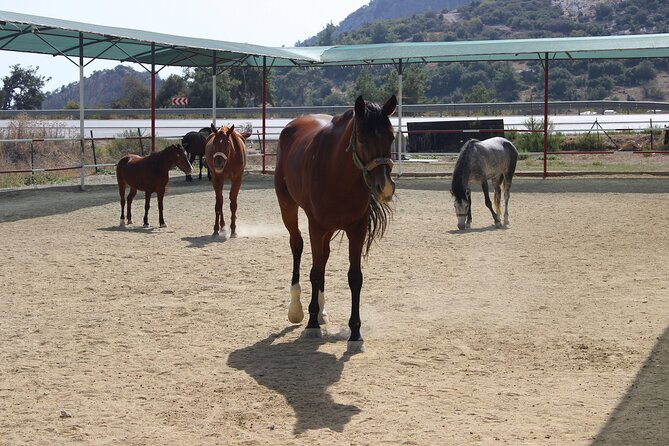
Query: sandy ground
[(553, 331)]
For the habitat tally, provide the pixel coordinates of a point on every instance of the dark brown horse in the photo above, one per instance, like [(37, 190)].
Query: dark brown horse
[(149, 174), (226, 156), (194, 143), (337, 169)]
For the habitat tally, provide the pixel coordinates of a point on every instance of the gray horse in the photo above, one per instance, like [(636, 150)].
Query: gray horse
[(494, 159)]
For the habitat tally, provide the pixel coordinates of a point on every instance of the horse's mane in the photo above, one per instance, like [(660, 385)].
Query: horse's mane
[(379, 213), (459, 183)]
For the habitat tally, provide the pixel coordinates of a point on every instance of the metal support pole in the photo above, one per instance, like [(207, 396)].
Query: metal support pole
[(81, 110), (399, 120), (546, 116), (264, 112), (213, 90), (153, 97)]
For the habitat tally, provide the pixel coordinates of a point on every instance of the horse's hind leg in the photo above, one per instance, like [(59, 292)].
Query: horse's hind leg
[(121, 191), (497, 196), (488, 203), (147, 205), (131, 196), (507, 194), (320, 249)]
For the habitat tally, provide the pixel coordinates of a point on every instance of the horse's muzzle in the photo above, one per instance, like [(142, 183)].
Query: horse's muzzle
[(219, 161), (385, 190)]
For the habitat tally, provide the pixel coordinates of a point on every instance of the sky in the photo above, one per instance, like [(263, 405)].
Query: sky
[(262, 22)]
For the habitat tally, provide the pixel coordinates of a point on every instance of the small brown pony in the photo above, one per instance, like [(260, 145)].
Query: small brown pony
[(149, 174), (337, 169), (226, 159)]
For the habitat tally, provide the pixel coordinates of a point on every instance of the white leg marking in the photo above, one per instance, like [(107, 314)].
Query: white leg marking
[(295, 312), (322, 315)]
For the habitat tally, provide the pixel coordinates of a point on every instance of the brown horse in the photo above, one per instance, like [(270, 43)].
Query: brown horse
[(337, 169), (226, 156), (149, 174), (194, 143)]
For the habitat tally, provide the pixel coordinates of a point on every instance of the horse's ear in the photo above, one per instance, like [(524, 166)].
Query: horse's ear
[(230, 130), (213, 128), (360, 106), (390, 105)]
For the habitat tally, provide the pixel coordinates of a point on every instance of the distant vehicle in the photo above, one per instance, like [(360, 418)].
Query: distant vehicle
[(588, 112), (609, 112)]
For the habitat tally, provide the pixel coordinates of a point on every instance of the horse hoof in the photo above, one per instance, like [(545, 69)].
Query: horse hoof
[(353, 347), (122, 223), (145, 225), (323, 318), (498, 225), (312, 333), (233, 235), (164, 225), (129, 222)]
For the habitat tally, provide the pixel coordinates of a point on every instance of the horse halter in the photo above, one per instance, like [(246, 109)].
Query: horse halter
[(373, 164)]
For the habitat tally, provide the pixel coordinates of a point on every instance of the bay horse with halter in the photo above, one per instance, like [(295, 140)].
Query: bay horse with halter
[(337, 169), (194, 143), (150, 174), (225, 152), (479, 161)]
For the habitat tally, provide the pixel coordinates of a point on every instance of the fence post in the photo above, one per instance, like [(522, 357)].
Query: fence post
[(32, 160), (651, 134), (95, 158), (141, 145)]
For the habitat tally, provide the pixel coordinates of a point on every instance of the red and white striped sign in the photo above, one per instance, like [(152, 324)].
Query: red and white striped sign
[(179, 100)]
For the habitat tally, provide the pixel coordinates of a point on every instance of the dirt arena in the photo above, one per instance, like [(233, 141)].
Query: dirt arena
[(553, 331)]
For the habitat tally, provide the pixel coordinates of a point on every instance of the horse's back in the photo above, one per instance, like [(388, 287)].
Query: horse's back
[(298, 143)]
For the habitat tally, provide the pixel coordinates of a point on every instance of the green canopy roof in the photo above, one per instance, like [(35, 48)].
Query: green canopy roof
[(35, 34)]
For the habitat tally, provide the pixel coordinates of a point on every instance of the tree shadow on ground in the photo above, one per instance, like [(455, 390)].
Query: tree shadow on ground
[(642, 416), (302, 374)]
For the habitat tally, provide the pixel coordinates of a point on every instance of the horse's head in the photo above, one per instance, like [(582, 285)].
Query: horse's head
[(371, 141), (223, 146), (461, 211), (181, 158)]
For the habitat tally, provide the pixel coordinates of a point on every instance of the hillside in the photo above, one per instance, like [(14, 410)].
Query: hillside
[(387, 9), (102, 88), (445, 20)]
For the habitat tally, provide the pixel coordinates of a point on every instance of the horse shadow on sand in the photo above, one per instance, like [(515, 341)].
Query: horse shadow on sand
[(642, 416), (302, 374)]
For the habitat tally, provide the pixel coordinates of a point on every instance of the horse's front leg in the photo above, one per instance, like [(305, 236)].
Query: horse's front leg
[(188, 176), (200, 176), (320, 249), (234, 192), (356, 240), (161, 220), (468, 194), (147, 205), (488, 203), (218, 208)]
